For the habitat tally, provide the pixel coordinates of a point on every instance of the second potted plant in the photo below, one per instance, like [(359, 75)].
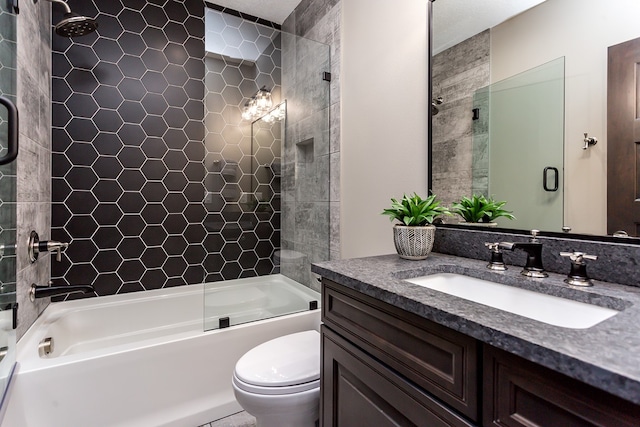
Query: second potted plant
[(414, 235), (480, 210)]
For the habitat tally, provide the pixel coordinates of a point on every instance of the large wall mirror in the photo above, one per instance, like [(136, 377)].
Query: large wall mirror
[(541, 69)]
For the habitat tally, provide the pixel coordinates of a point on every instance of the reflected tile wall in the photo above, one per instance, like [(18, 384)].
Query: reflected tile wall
[(457, 73)]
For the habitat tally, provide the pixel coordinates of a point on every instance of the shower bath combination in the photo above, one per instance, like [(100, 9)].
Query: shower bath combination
[(72, 24)]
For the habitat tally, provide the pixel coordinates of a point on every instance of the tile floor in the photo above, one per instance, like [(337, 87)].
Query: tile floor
[(241, 419)]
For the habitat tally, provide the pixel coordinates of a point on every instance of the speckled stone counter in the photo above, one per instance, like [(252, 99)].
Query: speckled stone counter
[(606, 355)]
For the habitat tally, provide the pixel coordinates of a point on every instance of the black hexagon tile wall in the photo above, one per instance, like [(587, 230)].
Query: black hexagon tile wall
[(141, 182)]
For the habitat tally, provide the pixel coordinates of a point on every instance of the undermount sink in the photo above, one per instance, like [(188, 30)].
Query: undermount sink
[(533, 305)]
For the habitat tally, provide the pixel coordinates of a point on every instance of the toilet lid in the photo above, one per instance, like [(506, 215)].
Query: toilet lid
[(284, 361)]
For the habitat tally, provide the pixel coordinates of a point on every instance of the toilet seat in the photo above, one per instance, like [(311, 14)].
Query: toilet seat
[(284, 365), (256, 389)]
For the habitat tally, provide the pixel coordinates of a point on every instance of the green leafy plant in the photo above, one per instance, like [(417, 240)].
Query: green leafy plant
[(415, 211), (480, 209)]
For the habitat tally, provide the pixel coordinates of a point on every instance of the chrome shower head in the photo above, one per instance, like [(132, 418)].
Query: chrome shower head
[(73, 25)]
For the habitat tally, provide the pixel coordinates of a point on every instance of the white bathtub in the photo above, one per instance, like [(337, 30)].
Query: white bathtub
[(143, 359)]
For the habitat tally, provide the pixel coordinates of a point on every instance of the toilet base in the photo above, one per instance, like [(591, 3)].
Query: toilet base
[(289, 410)]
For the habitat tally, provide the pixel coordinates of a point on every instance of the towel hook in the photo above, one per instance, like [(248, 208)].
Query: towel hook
[(589, 141)]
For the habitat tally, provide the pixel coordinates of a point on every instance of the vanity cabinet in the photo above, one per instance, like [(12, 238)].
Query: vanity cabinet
[(383, 366), (520, 393), (386, 348)]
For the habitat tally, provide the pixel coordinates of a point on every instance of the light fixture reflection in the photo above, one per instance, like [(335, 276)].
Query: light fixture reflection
[(277, 114), (259, 105)]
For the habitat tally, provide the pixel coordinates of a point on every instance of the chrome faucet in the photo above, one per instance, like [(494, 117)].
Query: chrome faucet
[(533, 248), (38, 291)]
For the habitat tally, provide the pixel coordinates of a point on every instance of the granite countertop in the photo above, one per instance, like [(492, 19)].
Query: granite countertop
[(606, 355)]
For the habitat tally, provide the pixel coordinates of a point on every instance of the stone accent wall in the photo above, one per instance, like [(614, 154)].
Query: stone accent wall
[(458, 73), (33, 210)]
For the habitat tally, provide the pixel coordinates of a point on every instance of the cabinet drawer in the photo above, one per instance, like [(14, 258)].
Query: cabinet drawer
[(441, 361), (519, 393), (357, 390)]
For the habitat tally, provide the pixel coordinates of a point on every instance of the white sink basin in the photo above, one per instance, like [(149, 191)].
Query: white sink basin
[(533, 305)]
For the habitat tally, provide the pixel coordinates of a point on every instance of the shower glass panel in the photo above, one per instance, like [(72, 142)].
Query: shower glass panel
[(8, 46), (267, 170), (519, 146)]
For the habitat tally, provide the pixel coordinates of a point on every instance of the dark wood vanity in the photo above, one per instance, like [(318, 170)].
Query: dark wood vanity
[(384, 366)]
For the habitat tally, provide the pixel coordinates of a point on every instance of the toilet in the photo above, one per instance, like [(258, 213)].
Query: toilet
[(278, 382)]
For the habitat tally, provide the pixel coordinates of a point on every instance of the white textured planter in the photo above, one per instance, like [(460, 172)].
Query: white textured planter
[(414, 242)]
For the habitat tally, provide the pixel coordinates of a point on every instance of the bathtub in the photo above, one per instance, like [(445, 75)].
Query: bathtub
[(142, 359)]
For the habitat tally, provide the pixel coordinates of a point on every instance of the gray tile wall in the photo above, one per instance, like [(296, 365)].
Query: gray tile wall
[(34, 160), (457, 73), (320, 20)]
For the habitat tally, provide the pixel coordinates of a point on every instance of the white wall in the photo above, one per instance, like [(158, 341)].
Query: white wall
[(581, 31), (384, 117)]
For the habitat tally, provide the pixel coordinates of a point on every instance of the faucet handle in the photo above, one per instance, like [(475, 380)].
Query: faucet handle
[(493, 247), (56, 247), (496, 263), (534, 235), (578, 257), (37, 246), (578, 274)]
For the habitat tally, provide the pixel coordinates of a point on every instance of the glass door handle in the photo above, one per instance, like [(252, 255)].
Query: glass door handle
[(545, 175), (12, 131)]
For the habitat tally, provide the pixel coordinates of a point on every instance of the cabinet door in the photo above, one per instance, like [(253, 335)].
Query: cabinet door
[(519, 393), (357, 390), (437, 359)]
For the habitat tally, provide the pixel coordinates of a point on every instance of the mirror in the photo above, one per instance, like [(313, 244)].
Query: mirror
[(497, 48)]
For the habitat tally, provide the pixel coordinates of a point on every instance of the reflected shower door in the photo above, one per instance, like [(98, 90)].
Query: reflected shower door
[(526, 146)]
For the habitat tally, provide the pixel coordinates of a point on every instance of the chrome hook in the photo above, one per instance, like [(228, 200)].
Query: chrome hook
[(589, 141)]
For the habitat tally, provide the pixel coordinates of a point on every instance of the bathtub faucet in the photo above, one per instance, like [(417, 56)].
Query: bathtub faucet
[(38, 291)]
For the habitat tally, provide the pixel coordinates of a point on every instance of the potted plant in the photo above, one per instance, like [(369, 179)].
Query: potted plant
[(415, 233), (480, 210)]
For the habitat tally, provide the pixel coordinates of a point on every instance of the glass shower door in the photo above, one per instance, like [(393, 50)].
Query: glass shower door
[(8, 47), (267, 170)]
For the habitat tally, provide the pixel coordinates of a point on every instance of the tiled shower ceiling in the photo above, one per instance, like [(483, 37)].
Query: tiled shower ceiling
[(129, 169)]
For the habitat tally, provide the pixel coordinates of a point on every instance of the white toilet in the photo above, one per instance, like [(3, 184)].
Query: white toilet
[(278, 382)]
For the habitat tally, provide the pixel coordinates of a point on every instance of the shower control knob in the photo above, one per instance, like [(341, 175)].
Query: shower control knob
[(36, 246)]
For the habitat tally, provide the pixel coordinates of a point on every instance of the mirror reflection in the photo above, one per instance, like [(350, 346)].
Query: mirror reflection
[(466, 66)]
